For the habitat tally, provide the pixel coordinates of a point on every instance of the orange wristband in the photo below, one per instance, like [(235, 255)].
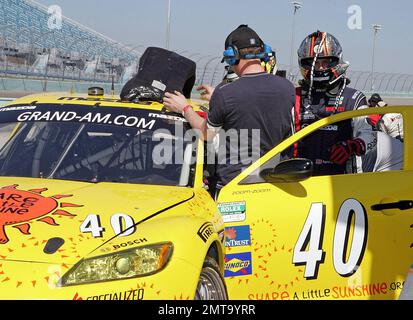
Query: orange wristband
[(185, 109)]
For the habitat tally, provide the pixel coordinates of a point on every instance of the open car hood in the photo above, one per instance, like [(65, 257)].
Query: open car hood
[(34, 211)]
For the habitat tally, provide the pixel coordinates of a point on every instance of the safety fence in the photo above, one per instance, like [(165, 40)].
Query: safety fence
[(211, 71), (26, 85)]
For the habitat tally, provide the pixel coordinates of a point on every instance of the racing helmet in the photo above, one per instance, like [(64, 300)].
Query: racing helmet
[(321, 45)]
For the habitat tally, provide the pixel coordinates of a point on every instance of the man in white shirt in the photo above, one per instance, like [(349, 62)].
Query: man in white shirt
[(386, 156)]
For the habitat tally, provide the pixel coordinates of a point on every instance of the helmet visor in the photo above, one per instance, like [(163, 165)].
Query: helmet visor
[(322, 63)]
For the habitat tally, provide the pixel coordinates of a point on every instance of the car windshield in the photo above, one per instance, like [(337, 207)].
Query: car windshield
[(98, 152)]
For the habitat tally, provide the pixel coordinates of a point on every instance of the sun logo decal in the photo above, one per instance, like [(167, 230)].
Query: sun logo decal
[(19, 207)]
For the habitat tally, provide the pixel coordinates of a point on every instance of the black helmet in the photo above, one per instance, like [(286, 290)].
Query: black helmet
[(321, 45), (375, 97), (376, 100)]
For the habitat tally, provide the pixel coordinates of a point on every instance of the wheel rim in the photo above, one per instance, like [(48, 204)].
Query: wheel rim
[(210, 286)]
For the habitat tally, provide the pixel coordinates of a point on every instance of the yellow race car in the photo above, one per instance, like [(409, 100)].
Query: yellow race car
[(293, 235), (94, 207)]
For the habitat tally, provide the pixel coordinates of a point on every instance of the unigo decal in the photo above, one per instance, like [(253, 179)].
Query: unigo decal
[(347, 257)]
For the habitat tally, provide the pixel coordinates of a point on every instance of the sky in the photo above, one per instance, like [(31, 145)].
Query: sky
[(201, 26)]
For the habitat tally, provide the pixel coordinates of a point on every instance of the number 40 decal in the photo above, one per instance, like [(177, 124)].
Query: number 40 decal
[(122, 225), (311, 238)]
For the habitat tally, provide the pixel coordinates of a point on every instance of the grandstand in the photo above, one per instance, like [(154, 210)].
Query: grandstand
[(30, 48), (35, 57)]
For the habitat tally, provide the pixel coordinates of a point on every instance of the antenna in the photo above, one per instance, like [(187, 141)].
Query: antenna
[(113, 85)]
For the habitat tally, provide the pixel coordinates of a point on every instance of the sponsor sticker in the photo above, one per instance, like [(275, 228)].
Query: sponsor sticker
[(205, 231), (238, 264), (158, 85), (134, 294), (237, 236), (232, 211)]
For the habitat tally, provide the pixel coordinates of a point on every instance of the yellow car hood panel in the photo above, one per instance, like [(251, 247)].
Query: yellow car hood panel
[(33, 211)]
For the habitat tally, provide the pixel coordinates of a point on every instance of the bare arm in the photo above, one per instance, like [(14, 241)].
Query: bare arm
[(206, 91), (176, 102)]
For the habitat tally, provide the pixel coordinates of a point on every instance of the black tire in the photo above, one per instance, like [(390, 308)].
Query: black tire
[(211, 284)]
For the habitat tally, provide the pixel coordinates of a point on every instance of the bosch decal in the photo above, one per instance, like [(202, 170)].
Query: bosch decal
[(129, 243)]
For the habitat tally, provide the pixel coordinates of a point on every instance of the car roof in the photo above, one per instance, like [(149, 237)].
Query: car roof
[(89, 100)]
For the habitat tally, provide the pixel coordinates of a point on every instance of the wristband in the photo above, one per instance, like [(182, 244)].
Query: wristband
[(185, 109)]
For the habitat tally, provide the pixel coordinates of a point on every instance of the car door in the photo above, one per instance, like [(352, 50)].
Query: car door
[(347, 236)]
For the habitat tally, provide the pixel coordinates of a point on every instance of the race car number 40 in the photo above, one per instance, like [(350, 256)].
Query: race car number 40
[(122, 225), (312, 233)]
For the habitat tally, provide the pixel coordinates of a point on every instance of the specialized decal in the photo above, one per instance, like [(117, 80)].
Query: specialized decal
[(136, 294), (232, 211), (205, 231), (308, 249), (237, 236), (122, 225), (238, 264), (19, 207)]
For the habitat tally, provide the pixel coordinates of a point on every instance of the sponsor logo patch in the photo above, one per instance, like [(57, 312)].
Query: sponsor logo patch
[(205, 231), (237, 236), (238, 264), (232, 211)]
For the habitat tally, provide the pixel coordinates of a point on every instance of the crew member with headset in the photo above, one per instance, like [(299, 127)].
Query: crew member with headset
[(257, 100)]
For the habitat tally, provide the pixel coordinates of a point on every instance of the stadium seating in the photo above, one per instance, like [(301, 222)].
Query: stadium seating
[(29, 47)]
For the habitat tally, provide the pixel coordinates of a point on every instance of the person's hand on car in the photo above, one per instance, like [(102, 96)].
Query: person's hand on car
[(206, 91), (175, 102)]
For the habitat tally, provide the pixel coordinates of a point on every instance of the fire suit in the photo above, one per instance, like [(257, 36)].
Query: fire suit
[(317, 146)]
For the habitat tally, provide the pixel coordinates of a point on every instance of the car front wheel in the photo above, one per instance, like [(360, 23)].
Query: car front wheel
[(211, 284)]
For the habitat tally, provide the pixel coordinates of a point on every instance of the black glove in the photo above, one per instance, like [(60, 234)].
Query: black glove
[(341, 151)]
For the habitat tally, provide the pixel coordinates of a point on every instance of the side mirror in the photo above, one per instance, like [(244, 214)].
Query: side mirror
[(292, 170)]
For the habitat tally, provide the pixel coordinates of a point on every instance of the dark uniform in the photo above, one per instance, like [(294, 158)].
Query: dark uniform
[(258, 101), (324, 103)]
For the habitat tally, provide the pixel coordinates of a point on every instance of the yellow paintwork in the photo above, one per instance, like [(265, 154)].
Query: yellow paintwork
[(277, 212), (26, 272)]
